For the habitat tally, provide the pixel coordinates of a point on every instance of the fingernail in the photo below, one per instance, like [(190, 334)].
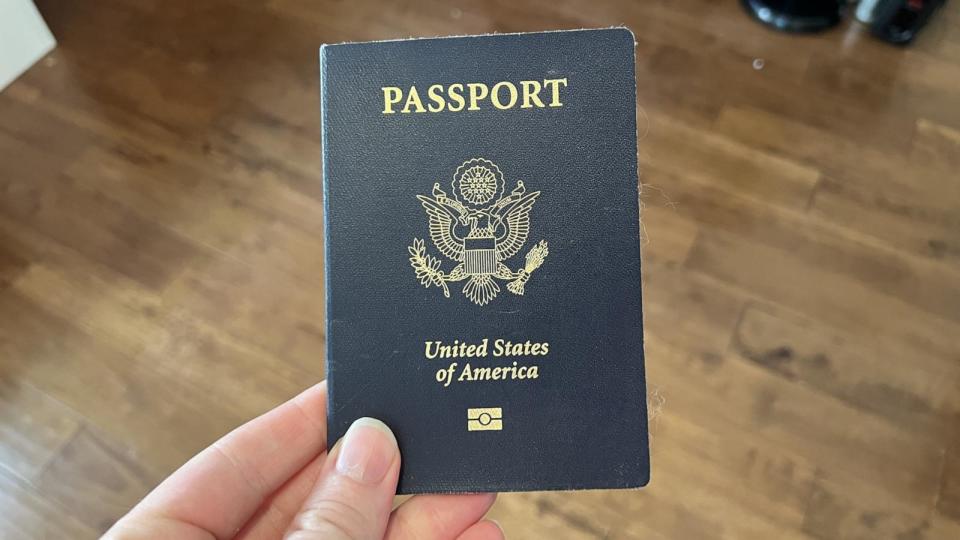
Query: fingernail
[(369, 449)]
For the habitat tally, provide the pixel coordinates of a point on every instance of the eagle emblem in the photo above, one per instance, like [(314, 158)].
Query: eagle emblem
[(479, 228)]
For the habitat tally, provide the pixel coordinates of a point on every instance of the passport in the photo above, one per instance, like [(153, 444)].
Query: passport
[(483, 293)]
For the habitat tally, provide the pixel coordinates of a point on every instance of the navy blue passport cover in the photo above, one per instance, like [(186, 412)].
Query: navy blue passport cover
[(483, 257)]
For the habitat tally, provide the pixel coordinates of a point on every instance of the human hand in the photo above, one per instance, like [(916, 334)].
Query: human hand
[(273, 477)]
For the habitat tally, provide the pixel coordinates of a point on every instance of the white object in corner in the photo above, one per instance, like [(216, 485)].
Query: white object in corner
[(24, 38)]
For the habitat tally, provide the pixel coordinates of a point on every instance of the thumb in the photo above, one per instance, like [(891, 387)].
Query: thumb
[(353, 496)]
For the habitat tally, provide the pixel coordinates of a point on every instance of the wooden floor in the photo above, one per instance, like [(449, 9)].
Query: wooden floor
[(161, 260)]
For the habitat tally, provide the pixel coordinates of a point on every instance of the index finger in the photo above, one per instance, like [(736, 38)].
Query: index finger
[(221, 487)]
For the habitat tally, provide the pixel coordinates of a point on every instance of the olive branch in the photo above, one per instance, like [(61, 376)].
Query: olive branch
[(427, 267)]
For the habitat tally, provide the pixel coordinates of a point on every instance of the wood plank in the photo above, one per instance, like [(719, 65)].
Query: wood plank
[(163, 421), (97, 227), (132, 319), (263, 141), (681, 150), (514, 510), (118, 309), (818, 292), (948, 503), (866, 189), (768, 497), (27, 515), (853, 370), (909, 227), (25, 129), (757, 248), (849, 509), (730, 80), (666, 236), (227, 215), (118, 155), (712, 477), (185, 352), (11, 265), (689, 311), (941, 527), (799, 419), (260, 305), (94, 480), (936, 145), (846, 159), (33, 427), (918, 85)]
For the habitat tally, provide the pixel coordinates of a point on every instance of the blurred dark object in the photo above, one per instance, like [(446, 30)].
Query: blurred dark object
[(796, 15), (896, 21)]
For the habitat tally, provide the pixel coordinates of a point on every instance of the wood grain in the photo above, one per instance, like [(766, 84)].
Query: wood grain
[(94, 479), (27, 514), (161, 244), (33, 428)]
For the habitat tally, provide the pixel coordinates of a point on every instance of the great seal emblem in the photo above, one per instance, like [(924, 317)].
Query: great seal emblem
[(479, 228)]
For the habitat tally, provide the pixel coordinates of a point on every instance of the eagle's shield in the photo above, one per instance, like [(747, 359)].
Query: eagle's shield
[(479, 256)]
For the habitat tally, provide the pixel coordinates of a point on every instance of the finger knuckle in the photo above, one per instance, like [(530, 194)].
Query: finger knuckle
[(330, 519)]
